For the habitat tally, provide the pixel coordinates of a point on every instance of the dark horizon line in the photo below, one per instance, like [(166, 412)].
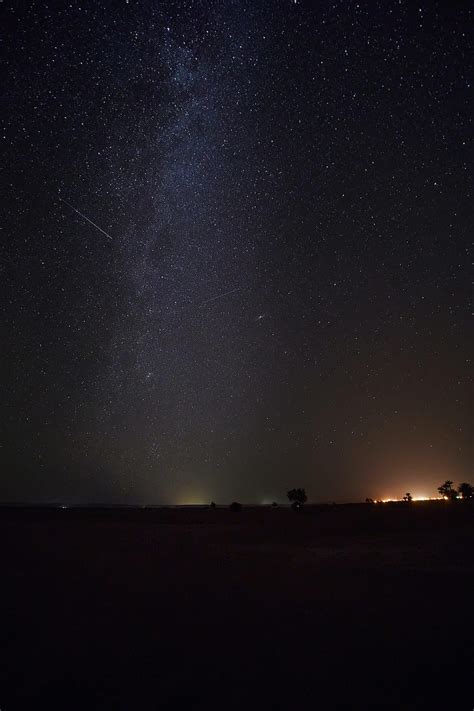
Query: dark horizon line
[(68, 506)]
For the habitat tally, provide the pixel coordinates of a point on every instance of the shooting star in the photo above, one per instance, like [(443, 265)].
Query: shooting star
[(220, 296), (85, 217)]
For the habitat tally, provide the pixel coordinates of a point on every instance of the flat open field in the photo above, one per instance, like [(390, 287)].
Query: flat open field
[(339, 607)]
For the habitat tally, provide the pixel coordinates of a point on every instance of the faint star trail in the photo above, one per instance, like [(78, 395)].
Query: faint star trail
[(85, 217), (220, 296)]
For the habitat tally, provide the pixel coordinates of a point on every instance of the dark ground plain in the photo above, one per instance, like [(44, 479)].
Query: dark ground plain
[(340, 607)]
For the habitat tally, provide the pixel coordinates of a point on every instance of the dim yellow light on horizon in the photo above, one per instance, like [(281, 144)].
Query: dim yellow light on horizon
[(414, 498)]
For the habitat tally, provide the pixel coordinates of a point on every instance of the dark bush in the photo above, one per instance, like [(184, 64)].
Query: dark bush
[(298, 497), (466, 490), (235, 506)]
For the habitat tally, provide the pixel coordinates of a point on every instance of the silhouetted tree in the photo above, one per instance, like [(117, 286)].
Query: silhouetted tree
[(466, 490), (213, 505), (369, 501), (274, 505), (298, 498), (235, 506), (447, 490), (408, 497)]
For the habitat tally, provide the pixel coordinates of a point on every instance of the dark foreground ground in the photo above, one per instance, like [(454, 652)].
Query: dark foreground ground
[(343, 607)]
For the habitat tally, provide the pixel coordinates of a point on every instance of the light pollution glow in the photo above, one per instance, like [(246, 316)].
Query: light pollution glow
[(414, 498)]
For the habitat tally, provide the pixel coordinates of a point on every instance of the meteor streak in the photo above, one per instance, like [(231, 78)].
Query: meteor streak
[(85, 217), (220, 296)]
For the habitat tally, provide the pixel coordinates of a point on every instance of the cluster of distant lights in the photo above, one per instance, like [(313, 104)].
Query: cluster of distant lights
[(416, 498)]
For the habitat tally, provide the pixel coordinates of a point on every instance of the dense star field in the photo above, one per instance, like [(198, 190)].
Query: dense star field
[(235, 249)]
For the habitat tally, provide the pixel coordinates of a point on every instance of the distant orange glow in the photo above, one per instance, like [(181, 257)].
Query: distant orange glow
[(415, 498)]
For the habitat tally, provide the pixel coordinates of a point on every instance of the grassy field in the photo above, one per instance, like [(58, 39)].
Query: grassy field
[(338, 607)]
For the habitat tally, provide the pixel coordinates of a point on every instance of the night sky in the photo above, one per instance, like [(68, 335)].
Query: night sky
[(235, 250)]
